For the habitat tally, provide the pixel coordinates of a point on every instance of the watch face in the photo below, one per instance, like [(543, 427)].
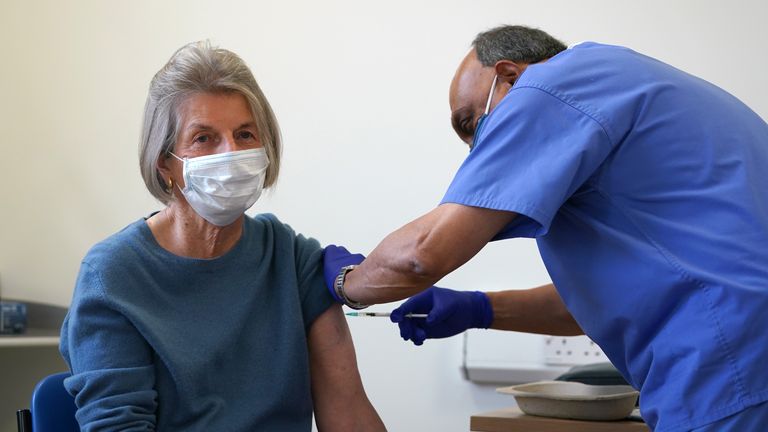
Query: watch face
[(339, 288)]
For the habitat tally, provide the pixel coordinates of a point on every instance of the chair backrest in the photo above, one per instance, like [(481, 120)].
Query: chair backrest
[(53, 408)]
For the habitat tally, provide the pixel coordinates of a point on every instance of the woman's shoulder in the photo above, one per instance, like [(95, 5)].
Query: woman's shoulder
[(269, 222), (118, 246), (272, 229), (108, 261), (265, 218)]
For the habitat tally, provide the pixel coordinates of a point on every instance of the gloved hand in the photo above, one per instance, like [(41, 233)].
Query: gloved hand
[(450, 313), (334, 258)]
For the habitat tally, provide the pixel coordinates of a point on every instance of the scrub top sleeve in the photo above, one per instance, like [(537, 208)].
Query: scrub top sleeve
[(534, 152)]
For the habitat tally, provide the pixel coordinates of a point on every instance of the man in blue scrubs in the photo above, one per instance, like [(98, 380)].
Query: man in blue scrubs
[(646, 189)]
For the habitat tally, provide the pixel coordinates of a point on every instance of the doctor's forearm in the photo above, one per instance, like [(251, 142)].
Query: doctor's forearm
[(423, 251), (392, 271), (538, 310)]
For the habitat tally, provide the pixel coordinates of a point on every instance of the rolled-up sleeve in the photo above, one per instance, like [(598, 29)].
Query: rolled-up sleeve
[(113, 378)]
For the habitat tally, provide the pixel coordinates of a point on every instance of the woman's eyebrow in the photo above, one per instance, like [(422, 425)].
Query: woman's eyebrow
[(204, 127), (199, 126), (249, 124)]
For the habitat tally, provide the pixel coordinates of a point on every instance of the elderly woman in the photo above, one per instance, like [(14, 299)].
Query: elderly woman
[(199, 318)]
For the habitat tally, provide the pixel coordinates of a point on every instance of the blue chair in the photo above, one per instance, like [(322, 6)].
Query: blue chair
[(52, 410)]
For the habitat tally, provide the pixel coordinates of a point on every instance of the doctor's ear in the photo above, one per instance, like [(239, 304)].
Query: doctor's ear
[(508, 71)]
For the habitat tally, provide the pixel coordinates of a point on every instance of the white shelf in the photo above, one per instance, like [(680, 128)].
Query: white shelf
[(31, 338), (498, 357), (512, 373)]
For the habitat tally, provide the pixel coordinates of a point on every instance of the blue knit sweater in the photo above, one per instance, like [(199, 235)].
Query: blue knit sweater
[(158, 341)]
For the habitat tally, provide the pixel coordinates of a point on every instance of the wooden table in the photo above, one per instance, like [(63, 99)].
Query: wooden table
[(513, 420)]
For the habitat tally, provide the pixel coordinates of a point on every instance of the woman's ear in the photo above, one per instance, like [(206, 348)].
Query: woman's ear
[(162, 166), (166, 170), (509, 71)]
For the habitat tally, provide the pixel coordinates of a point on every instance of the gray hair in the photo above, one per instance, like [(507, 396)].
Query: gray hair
[(199, 68), (515, 43)]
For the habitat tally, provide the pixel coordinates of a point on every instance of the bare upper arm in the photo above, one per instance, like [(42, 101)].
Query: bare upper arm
[(337, 389)]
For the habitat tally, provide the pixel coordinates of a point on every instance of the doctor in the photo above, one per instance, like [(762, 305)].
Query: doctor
[(646, 190)]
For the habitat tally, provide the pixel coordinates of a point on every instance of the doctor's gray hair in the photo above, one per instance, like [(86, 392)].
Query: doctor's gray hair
[(199, 68), (515, 43)]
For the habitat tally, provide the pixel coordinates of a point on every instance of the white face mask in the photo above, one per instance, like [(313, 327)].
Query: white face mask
[(221, 187)]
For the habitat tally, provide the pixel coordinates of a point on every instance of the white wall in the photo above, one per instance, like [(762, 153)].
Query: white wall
[(360, 89)]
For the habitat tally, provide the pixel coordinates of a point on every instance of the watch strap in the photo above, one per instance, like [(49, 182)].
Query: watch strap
[(338, 288)]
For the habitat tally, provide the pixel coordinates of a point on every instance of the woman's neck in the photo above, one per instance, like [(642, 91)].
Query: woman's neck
[(181, 231)]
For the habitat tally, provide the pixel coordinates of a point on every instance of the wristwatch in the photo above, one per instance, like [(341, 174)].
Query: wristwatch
[(338, 288)]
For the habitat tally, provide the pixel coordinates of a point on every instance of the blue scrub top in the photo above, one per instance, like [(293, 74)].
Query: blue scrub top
[(647, 191)]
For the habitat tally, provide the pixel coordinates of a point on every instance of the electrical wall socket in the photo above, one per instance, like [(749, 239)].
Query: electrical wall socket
[(572, 350)]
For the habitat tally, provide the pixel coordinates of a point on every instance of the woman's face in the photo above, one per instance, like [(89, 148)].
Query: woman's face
[(210, 123)]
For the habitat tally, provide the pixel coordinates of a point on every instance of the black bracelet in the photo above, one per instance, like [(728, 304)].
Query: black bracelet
[(338, 288)]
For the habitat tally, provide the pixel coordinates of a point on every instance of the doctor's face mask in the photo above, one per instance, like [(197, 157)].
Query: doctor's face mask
[(482, 118)]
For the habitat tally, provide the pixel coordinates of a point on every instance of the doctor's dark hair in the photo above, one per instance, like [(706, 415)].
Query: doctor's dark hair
[(199, 68), (515, 43)]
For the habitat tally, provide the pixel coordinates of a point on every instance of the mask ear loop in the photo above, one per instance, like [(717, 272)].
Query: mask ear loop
[(490, 94), (170, 179)]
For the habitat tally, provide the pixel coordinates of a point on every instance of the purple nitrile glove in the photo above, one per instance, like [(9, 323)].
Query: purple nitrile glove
[(334, 258), (450, 313)]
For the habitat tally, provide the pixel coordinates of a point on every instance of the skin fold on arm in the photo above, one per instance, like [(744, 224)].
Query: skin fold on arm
[(337, 390), (423, 251)]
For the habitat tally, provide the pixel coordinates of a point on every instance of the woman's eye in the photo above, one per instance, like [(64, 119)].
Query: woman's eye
[(245, 135), (202, 139)]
